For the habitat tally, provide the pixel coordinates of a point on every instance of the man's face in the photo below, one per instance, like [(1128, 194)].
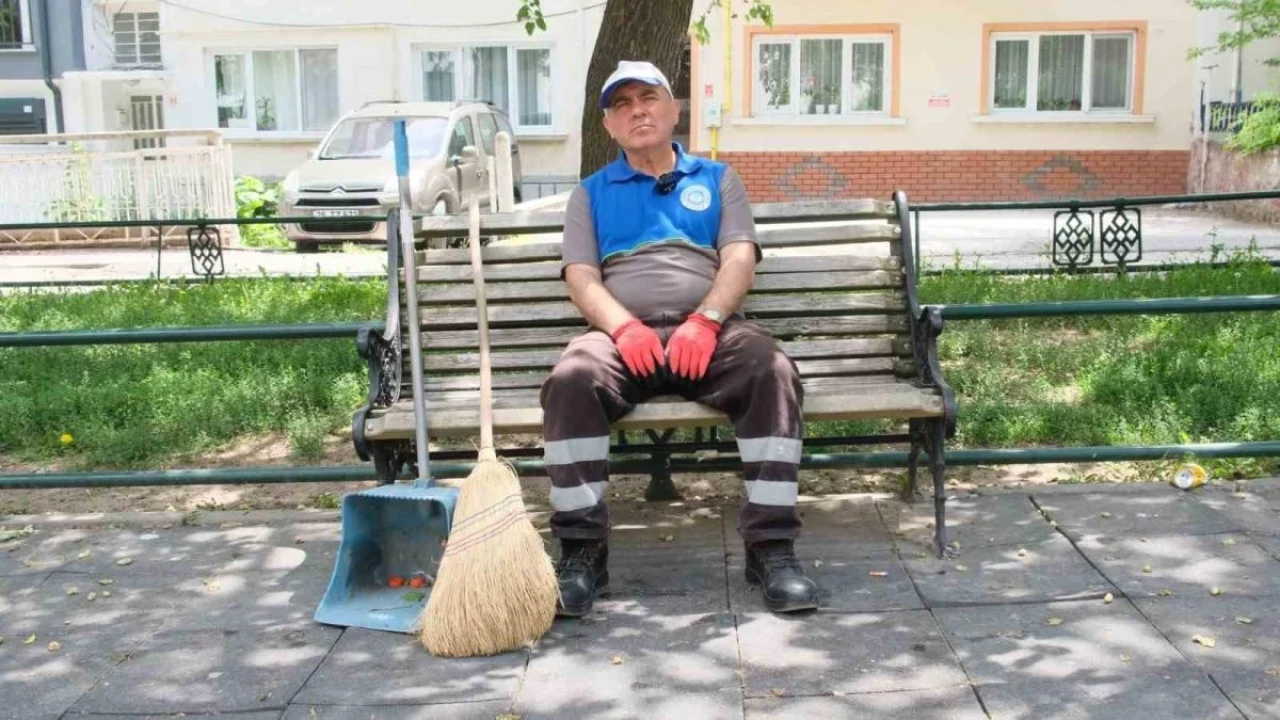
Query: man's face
[(641, 116)]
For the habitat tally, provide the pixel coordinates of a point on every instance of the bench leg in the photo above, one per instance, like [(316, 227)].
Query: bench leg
[(911, 492), (937, 434), (389, 458), (661, 488)]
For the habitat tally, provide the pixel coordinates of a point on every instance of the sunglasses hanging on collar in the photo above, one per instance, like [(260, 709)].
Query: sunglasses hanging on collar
[(667, 182)]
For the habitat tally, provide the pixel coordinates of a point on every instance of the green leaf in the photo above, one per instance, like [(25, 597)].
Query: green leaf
[(528, 28), (523, 13), (542, 24)]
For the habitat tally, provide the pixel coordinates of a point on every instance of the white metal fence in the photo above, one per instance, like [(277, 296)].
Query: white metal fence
[(102, 177)]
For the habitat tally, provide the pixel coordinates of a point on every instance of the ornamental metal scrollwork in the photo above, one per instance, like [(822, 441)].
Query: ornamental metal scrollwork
[(1121, 236), (205, 246), (1073, 237), (389, 363)]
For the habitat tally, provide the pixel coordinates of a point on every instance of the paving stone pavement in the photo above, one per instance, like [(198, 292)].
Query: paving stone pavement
[(215, 619)]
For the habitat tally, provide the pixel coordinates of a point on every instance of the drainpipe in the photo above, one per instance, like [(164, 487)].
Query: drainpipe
[(46, 60)]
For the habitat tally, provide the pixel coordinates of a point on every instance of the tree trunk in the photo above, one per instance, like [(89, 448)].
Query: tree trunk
[(652, 30)]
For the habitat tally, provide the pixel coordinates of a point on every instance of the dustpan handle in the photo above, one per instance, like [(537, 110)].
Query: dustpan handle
[(411, 289), (482, 317)]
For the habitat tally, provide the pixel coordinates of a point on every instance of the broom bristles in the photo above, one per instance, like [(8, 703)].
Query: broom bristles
[(496, 588)]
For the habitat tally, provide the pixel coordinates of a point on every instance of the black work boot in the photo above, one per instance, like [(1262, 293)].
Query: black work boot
[(772, 565), (583, 574)]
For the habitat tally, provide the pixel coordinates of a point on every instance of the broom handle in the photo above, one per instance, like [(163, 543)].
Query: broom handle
[(486, 379), (407, 254)]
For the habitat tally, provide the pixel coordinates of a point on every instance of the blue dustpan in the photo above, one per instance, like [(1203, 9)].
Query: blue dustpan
[(396, 529), (390, 530)]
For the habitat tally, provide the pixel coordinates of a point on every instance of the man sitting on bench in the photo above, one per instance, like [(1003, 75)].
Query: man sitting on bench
[(659, 252)]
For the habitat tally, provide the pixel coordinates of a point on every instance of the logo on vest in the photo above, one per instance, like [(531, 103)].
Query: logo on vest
[(696, 198)]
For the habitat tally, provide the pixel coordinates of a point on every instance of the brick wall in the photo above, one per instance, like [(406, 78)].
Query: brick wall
[(961, 175)]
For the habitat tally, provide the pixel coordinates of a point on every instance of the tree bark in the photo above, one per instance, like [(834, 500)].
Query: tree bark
[(652, 30)]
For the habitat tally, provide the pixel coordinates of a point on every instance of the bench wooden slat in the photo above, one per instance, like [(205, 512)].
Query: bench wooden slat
[(899, 400), (529, 396), (835, 234), (824, 210), (513, 382), (544, 290), (551, 270), (535, 359), (766, 305), (783, 329), (525, 222), (543, 361)]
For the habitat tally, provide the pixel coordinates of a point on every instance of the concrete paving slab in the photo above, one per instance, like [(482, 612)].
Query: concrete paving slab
[(246, 599), (995, 574), (38, 683), (1164, 510), (976, 521), (1256, 692), (45, 551), (949, 704), (176, 551), (1184, 693), (844, 586), (206, 671), (1268, 543), (265, 715), (1252, 646), (1253, 511), (645, 657), (644, 564), (135, 600), (316, 556), (16, 593), (381, 668), (820, 653), (1057, 641), (1185, 564), (450, 711)]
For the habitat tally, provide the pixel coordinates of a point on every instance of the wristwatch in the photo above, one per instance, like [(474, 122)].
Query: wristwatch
[(712, 314)]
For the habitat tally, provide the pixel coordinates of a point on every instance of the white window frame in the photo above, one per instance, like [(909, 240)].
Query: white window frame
[(28, 44), (247, 60), (1033, 73), (758, 93), (137, 40), (513, 92)]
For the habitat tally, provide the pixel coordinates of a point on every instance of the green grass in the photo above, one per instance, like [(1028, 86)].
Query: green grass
[(1114, 380), (141, 405), (1050, 381)]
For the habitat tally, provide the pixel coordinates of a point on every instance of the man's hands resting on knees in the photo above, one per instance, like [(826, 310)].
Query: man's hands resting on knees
[(691, 346), (640, 347)]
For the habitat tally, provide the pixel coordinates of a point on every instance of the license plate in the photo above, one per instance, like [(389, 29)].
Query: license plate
[(336, 212)]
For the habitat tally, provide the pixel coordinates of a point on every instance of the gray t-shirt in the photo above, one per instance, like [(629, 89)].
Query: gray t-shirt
[(662, 277)]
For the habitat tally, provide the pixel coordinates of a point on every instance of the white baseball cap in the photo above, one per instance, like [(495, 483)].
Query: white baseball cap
[(629, 70)]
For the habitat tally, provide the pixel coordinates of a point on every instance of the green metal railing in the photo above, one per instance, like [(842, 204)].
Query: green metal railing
[(1117, 237), (537, 468), (454, 469)]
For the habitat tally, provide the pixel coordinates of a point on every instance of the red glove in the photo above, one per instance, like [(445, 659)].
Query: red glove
[(691, 346), (640, 346)]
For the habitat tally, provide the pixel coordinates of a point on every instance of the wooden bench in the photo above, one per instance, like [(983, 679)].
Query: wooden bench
[(837, 288)]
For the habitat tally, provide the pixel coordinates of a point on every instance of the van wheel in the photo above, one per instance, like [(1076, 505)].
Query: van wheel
[(306, 247)]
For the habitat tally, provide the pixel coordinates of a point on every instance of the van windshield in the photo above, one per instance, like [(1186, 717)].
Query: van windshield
[(371, 137)]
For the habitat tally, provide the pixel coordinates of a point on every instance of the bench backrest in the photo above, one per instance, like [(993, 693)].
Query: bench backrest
[(835, 286)]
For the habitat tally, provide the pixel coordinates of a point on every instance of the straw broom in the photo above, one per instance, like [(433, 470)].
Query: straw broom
[(496, 588)]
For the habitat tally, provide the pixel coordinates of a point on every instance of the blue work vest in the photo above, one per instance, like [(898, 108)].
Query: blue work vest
[(629, 212)]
